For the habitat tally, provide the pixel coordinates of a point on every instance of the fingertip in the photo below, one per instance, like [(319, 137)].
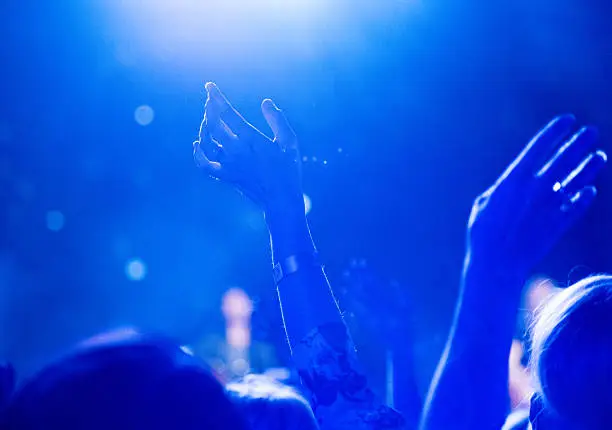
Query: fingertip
[(580, 201), (269, 105), (566, 118), (585, 195), (602, 155), (213, 91), (203, 162), (591, 190), (589, 131), (198, 156)]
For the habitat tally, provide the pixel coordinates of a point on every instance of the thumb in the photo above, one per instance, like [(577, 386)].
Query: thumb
[(283, 133)]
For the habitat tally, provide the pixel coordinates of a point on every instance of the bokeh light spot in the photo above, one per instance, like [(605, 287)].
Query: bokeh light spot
[(144, 115), (55, 220), (238, 337), (237, 304), (307, 203), (240, 366), (135, 270)]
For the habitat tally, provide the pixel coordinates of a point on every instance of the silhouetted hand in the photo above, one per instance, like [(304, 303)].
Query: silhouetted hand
[(544, 191), (230, 149)]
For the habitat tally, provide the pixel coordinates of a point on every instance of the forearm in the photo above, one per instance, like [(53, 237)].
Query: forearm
[(307, 300), (321, 346), (407, 397), (470, 387)]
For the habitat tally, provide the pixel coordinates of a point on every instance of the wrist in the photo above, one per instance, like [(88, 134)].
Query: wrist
[(493, 292), (289, 234)]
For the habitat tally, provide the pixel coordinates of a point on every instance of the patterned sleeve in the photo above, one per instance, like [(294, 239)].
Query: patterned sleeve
[(337, 389)]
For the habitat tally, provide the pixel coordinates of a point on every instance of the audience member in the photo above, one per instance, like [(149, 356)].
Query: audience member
[(512, 226), (571, 358), (269, 172), (134, 382), (268, 404), (537, 292)]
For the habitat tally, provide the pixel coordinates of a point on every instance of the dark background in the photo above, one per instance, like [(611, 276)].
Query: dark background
[(429, 100)]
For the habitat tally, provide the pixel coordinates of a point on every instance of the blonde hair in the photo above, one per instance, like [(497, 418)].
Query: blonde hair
[(268, 404), (572, 353)]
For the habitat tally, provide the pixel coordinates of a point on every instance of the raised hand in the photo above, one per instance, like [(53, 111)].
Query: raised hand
[(232, 150), (543, 192), (512, 225)]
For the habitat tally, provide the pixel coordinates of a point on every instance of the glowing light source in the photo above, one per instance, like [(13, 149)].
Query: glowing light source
[(55, 220), (237, 304), (144, 115), (135, 270), (307, 203), (238, 336)]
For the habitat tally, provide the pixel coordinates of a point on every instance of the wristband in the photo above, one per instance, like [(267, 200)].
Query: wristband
[(292, 264)]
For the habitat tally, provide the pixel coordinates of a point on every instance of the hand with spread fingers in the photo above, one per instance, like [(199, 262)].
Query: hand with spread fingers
[(232, 150), (541, 194), (512, 226)]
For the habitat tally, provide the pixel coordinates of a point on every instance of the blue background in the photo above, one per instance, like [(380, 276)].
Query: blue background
[(428, 101)]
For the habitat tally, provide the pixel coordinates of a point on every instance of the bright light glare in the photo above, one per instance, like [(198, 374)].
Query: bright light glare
[(181, 32)]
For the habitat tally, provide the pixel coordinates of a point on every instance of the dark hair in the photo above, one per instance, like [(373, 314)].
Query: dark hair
[(142, 382), (268, 404)]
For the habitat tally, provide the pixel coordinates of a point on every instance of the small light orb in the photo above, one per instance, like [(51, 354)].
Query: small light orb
[(55, 220), (135, 270), (144, 115), (557, 186), (307, 204), (339, 150)]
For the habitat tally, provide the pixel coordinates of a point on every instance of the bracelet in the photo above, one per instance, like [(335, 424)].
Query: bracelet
[(293, 264)]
